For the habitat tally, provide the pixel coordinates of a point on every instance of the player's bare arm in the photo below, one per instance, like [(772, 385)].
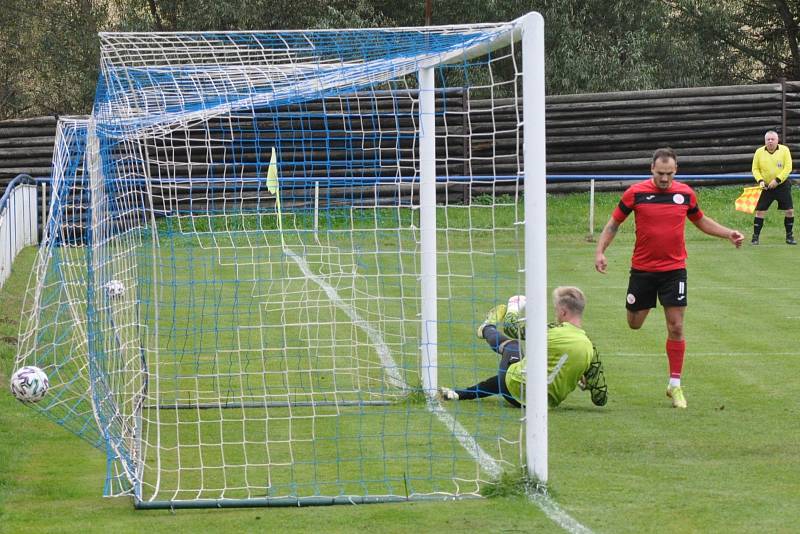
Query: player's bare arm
[(711, 227), (606, 237)]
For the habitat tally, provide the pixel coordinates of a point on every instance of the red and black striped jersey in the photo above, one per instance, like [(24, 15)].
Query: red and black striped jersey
[(660, 223)]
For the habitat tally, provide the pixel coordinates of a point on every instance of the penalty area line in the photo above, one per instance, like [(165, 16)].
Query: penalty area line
[(556, 514), (488, 463)]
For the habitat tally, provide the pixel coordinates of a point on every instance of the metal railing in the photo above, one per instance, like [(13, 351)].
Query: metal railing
[(22, 224), (19, 221)]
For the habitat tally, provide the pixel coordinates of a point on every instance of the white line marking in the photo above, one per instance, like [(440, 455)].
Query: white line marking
[(382, 349), (557, 514), (488, 463)]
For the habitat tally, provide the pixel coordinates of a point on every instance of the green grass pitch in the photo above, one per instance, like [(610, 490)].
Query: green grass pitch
[(727, 464)]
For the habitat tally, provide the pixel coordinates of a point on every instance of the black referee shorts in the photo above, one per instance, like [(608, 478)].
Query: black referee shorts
[(782, 193), (643, 287)]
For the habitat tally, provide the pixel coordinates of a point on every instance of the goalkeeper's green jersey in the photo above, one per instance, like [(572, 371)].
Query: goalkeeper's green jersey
[(569, 354)]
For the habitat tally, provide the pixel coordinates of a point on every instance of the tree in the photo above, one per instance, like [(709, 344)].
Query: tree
[(49, 56), (49, 49), (603, 45), (760, 35), (193, 15)]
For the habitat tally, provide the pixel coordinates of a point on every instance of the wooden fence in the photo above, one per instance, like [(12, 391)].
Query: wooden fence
[(714, 129)]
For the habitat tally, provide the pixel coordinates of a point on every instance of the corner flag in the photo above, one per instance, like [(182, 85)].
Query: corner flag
[(272, 187), (272, 173), (748, 199)]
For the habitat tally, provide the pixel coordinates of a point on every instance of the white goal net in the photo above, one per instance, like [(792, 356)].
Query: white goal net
[(266, 251)]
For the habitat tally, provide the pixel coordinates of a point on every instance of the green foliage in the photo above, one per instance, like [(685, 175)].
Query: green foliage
[(759, 38), (49, 48), (622, 46), (416, 396), (199, 15), (511, 483), (49, 55)]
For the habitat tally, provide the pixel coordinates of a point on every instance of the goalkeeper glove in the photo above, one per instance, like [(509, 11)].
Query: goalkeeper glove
[(595, 381)]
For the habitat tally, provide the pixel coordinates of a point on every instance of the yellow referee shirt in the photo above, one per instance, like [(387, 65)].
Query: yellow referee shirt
[(777, 165)]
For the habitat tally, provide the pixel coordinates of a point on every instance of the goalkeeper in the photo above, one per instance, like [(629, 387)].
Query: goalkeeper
[(572, 360)]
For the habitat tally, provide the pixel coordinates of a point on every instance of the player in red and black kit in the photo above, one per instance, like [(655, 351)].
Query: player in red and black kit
[(658, 266)]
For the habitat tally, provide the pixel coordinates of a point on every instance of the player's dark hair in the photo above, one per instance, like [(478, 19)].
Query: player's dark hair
[(664, 154)]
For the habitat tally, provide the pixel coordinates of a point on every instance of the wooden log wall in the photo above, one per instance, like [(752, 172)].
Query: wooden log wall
[(714, 129), (26, 147)]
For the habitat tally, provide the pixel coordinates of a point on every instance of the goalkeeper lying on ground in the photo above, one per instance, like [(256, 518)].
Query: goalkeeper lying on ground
[(572, 360)]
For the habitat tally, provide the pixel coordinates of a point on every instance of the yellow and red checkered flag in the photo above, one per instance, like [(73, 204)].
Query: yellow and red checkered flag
[(748, 199)]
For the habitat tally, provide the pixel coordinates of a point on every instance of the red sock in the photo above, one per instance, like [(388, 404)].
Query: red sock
[(675, 352)]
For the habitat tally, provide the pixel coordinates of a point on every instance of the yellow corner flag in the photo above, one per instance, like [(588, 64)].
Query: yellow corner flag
[(272, 173), (748, 199), (272, 187)]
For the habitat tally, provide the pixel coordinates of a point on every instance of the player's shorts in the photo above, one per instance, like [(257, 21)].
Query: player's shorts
[(782, 193), (644, 287)]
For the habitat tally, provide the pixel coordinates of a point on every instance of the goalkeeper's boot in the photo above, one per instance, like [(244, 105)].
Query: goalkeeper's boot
[(494, 317), (676, 394), (448, 394)]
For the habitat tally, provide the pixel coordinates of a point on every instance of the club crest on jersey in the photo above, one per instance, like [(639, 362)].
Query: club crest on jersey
[(677, 198)]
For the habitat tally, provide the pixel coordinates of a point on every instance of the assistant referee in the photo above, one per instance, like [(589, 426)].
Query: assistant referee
[(772, 164)]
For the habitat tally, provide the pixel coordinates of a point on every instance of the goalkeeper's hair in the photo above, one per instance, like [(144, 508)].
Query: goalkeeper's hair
[(569, 298)]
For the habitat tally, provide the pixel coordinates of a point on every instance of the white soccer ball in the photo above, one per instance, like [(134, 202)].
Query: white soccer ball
[(516, 304), (115, 288), (29, 384)]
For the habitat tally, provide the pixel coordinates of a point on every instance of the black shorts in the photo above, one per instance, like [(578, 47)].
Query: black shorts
[(782, 193), (643, 287)]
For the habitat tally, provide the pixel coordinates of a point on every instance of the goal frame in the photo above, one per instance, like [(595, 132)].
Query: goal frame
[(529, 30), (120, 414)]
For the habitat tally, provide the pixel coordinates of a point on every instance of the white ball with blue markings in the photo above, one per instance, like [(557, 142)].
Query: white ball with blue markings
[(29, 384), (516, 304), (115, 288)]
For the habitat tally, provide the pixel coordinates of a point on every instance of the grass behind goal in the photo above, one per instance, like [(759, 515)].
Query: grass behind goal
[(726, 464), (256, 392)]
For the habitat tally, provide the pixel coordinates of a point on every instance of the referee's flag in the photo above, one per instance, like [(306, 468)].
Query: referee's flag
[(748, 199)]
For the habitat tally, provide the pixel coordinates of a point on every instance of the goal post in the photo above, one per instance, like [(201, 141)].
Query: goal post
[(533, 88), (282, 244), (427, 216)]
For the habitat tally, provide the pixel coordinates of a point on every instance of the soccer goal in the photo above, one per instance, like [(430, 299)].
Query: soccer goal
[(266, 251)]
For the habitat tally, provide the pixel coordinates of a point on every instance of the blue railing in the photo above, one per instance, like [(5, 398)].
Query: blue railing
[(259, 182), (21, 179), (13, 239), (563, 178)]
